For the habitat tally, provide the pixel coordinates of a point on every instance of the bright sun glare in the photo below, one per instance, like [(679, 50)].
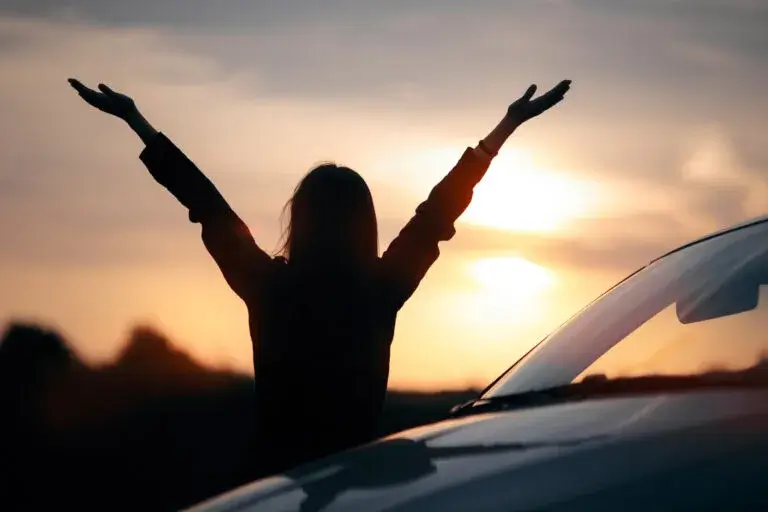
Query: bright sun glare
[(509, 289), (507, 274), (517, 194)]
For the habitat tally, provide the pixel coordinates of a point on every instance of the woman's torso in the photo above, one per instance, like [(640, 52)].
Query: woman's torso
[(321, 357)]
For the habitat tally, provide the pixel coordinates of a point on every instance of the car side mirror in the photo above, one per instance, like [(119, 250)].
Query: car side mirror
[(733, 298)]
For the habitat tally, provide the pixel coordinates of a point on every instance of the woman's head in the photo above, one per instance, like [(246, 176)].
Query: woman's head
[(332, 219)]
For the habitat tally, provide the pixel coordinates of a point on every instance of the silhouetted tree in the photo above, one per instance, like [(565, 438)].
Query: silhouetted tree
[(154, 430)]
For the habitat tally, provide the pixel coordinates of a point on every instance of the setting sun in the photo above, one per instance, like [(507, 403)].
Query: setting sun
[(508, 289), (517, 194), (511, 275)]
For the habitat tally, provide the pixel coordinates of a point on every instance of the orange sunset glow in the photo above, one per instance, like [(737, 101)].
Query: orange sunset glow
[(519, 195), (617, 174)]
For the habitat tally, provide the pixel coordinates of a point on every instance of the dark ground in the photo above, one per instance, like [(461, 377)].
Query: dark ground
[(153, 431)]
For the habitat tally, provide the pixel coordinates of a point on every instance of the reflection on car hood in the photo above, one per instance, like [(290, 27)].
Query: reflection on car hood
[(531, 458)]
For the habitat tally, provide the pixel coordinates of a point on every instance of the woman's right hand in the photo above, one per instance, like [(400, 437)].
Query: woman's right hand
[(107, 100)]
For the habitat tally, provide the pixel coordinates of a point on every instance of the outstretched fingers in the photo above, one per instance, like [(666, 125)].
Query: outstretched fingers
[(107, 90), (78, 85), (563, 86), (84, 91), (557, 91), (551, 97), (94, 98), (105, 99), (552, 102), (529, 93)]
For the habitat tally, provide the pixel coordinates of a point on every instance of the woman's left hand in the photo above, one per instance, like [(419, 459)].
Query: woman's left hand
[(526, 108)]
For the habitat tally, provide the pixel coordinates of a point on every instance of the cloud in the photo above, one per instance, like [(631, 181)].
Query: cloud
[(73, 190), (242, 100), (612, 250), (476, 53), (666, 118)]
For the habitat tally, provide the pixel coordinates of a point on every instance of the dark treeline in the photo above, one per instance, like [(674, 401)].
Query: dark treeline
[(155, 430)]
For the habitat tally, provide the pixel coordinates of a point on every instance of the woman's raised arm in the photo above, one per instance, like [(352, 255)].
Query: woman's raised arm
[(415, 249), (224, 234)]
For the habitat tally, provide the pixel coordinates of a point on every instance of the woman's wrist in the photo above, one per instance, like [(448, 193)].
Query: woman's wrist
[(510, 122), (133, 117), (494, 141), (140, 126)]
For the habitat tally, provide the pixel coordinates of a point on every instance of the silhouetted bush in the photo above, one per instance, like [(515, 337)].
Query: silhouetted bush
[(155, 430)]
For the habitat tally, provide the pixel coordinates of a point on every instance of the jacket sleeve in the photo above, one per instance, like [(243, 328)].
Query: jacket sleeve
[(224, 234), (411, 254)]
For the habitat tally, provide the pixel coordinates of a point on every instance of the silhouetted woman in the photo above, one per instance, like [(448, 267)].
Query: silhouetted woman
[(322, 314)]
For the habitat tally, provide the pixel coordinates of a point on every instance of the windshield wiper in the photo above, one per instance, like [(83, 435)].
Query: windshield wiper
[(600, 386)]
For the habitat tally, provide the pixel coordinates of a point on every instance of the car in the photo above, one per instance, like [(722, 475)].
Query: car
[(653, 397)]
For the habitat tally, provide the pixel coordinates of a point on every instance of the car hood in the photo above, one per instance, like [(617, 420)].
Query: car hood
[(524, 459)]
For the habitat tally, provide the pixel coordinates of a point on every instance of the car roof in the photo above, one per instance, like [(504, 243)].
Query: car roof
[(734, 227)]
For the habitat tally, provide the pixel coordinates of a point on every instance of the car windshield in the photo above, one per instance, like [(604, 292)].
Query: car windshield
[(696, 311)]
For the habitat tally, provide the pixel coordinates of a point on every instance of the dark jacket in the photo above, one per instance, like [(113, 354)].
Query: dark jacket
[(321, 342)]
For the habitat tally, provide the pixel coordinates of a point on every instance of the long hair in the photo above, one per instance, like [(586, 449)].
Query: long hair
[(332, 220)]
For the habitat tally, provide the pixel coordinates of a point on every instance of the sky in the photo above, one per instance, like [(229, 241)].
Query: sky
[(660, 140)]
